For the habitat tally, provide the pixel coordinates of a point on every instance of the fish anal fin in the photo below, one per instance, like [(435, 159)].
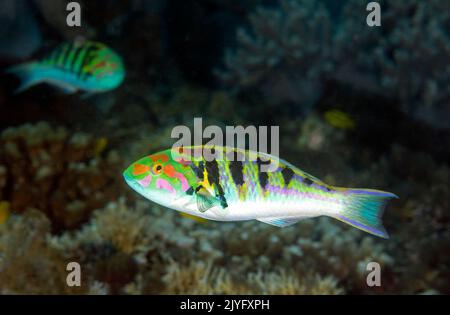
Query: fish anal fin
[(283, 222), (64, 87)]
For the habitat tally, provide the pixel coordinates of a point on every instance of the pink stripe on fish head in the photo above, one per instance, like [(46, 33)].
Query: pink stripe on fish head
[(163, 184), (183, 180), (145, 181)]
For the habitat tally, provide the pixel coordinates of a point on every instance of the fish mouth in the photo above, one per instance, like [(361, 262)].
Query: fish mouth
[(131, 181), (127, 177)]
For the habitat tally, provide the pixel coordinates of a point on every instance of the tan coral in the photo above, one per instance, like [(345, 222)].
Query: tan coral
[(27, 264), (44, 168), (203, 278)]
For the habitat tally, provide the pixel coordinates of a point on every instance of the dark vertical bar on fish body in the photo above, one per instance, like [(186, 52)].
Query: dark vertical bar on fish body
[(235, 166), (307, 181), (87, 59), (73, 60), (77, 63), (237, 172), (212, 168), (66, 55), (53, 57), (59, 57), (198, 170), (263, 177), (61, 51), (84, 56), (288, 174)]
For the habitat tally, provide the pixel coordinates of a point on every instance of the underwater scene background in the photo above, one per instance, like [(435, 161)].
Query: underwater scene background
[(357, 106)]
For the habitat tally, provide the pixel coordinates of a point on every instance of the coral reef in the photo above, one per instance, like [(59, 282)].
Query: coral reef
[(128, 248), (66, 176), (286, 52), (63, 198), (406, 58), (203, 278), (27, 264), (291, 51)]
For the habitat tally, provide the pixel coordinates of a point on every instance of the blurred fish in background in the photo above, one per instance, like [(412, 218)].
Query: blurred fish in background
[(339, 119), (88, 66)]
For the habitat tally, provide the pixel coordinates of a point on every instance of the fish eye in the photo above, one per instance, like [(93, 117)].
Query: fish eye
[(157, 168)]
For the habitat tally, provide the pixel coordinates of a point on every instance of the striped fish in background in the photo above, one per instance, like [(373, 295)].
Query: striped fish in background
[(234, 188), (78, 66)]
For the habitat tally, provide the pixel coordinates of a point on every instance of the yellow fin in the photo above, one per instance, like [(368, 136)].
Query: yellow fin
[(193, 217)]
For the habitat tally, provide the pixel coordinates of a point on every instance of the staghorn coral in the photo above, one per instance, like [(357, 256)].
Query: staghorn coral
[(203, 278), (27, 264), (280, 282), (198, 278), (31, 264), (406, 58), (286, 52), (66, 176), (290, 52), (119, 242)]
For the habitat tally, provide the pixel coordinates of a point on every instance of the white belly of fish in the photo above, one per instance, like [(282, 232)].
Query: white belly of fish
[(251, 210)]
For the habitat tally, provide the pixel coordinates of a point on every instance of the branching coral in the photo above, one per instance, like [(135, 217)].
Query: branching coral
[(406, 58), (65, 176), (27, 264), (119, 242), (290, 51), (287, 51), (203, 278)]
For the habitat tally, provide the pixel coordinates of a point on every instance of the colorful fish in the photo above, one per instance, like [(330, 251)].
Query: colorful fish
[(233, 187), (86, 66)]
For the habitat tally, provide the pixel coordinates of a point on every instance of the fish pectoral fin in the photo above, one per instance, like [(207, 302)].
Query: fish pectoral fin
[(205, 200), (283, 222)]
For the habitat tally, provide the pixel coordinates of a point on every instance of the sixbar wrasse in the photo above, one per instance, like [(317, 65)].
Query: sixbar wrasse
[(235, 188), (86, 66)]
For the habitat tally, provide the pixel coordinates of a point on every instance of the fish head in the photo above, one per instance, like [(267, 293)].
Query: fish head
[(161, 178), (106, 68)]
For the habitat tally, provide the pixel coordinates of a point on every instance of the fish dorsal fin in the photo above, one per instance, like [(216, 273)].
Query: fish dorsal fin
[(205, 200), (283, 222)]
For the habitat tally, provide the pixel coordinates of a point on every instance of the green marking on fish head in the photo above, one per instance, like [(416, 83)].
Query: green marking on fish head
[(106, 68), (160, 178)]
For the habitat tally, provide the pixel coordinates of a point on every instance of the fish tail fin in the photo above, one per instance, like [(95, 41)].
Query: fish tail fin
[(363, 209), (26, 74)]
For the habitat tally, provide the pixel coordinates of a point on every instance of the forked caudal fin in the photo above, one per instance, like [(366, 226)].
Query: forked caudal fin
[(26, 73), (363, 209)]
